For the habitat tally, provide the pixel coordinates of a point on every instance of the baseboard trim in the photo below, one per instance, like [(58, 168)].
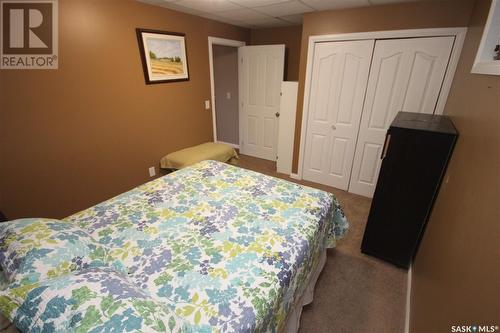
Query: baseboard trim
[(408, 301), (295, 176)]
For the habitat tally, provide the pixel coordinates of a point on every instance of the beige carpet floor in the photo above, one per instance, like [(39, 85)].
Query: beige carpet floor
[(355, 292)]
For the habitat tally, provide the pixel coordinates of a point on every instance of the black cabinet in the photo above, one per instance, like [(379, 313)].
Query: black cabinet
[(415, 155)]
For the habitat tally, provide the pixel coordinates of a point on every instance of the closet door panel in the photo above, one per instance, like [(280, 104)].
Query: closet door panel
[(339, 78), (406, 75), (426, 75), (383, 89)]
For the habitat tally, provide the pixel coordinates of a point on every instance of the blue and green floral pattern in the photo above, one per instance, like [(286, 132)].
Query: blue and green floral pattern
[(227, 248), (33, 250), (222, 248), (90, 300)]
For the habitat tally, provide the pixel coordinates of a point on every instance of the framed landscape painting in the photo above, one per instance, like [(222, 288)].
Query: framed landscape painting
[(163, 55)]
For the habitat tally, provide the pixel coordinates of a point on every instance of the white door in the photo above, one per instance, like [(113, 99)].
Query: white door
[(260, 76), (338, 85), (406, 75)]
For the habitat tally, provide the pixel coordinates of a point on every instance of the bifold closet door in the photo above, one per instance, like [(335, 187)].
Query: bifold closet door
[(406, 75), (338, 86)]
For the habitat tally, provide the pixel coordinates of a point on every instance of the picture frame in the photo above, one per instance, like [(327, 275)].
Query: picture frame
[(163, 55), (487, 59)]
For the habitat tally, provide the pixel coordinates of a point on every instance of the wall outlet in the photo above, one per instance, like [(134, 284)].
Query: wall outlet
[(207, 105), (152, 171)]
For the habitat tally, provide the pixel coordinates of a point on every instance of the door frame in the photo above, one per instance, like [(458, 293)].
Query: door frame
[(224, 42), (458, 33)]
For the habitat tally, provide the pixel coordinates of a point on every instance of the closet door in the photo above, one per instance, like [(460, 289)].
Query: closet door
[(406, 75), (338, 86)]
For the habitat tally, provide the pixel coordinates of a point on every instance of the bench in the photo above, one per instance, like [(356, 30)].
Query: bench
[(206, 151)]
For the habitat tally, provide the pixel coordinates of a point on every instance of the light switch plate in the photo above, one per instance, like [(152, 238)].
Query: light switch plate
[(152, 171), (207, 104), (228, 95)]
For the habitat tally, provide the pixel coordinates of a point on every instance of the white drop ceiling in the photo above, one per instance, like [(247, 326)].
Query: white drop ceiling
[(261, 13)]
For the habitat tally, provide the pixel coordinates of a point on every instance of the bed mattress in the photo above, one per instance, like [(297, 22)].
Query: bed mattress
[(226, 249)]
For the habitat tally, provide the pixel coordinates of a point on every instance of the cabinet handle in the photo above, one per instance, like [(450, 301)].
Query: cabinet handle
[(386, 146)]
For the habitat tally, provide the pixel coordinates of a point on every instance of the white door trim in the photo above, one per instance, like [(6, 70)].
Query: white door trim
[(458, 33), (224, 42)]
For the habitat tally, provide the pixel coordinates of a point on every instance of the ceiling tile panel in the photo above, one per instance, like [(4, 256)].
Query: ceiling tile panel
[(219, 18), (243, 14), (383, 2), (285, 8), (210, 6), (335, 4), (261, 13), (256, 3)]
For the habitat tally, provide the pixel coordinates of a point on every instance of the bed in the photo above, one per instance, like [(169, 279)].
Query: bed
[(218, 248)]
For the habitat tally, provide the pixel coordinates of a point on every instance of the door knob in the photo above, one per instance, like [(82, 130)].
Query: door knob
[(334, 127), (277, 114)]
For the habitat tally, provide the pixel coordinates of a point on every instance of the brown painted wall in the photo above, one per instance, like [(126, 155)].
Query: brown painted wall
[(72, 137), (456, 276), (413, 15), (291, 37), (225, 60)]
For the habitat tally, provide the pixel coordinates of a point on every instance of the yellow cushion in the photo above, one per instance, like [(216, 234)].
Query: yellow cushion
[(206, 151)]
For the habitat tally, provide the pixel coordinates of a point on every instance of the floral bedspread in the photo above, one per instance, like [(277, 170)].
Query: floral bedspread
[(94, 300), (224, 249)]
